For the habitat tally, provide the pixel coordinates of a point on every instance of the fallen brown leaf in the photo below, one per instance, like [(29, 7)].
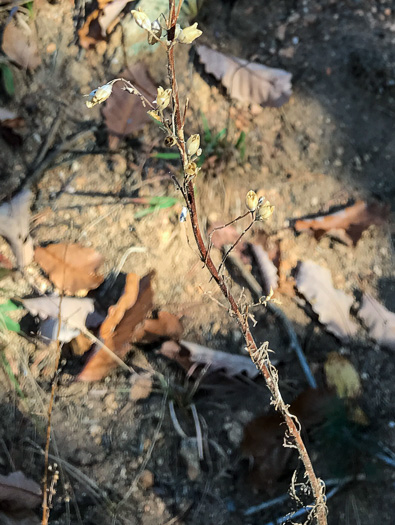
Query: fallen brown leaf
[(379, 321), (191, 355), (23, 517), (71, 267), (352, 220), (164, 326), (248, 82), (100, 22), (18, 492), (20, 42), (124, 113), (332, 306), (118, 329), (264, 436)]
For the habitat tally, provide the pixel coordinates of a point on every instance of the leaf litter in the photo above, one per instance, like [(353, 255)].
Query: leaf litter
[(331, 305), (20, 42), (351, 220), (19, 492), (191, 356), (379, 321), (71, 267), (124, 113), (74, 313), (248, 82), (14, 226)]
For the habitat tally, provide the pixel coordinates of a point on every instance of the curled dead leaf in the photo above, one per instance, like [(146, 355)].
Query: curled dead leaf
[(191, 355), (352, 220), (246, 81), (141, 386), (379, 321), (20, 42), (71, 267), (332, 306), (118, 330)]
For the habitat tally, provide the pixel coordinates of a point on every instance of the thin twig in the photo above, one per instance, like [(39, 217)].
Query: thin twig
[(45, 504)]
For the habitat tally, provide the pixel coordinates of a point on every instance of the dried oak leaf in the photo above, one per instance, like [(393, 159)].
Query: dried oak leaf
[(100, 22), (74, 313), (248, 82), (352, 220), (118, 330), (379, 321), (71, 267), (20, 42), (124, 113), (18, 492), (332, 306), (267, 270), (191, 355), (264, 436), (14, 226), (164, 326)]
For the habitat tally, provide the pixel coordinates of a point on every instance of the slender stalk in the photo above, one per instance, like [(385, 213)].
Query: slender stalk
[(258, 355)]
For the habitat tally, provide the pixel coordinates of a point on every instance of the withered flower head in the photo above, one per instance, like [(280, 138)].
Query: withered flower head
[(141, 19), (163, 98), (264, 212), (99, 95), (251, 200), (189, 34), (193, 144)]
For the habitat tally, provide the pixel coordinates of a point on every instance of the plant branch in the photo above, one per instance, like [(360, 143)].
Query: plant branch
[(259, 356)]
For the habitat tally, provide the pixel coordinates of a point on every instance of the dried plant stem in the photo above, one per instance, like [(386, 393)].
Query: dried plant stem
[(45, 503), (258, 355)]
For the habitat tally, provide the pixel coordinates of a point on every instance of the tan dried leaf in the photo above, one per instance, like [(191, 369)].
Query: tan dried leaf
[(332, 306), (20, 42), (351, 220), (124, 113), (248, 82), (379, 321), (119, 328), (191, 355), (71, 267)]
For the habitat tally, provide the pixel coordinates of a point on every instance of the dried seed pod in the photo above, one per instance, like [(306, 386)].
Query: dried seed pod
[(141, 19), (170, 141), (155, 115), (99, 95), (264, 212), (163, 98), (189, 34), (155, 34), (193, 144), (191, 169), (251, 200)]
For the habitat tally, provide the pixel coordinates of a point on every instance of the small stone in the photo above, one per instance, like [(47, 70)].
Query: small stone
[(110, 403), (51, 48), (235, 432), (280, 32), (146, 479), (287, 52)]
